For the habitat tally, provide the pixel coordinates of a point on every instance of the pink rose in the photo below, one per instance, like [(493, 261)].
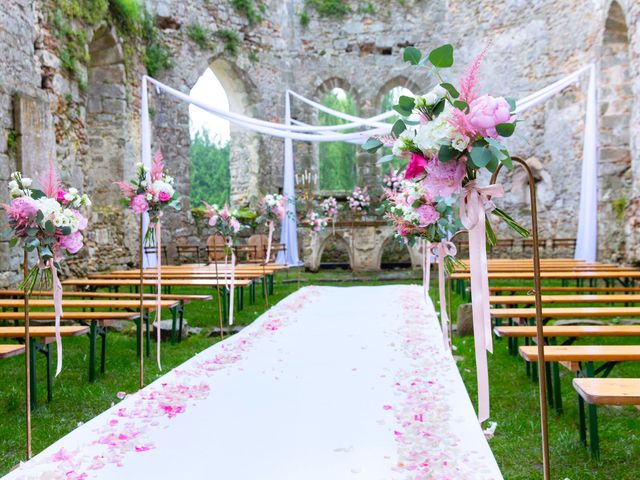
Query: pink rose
[(427, 214), (486, 112), (416, 166), (139, 204), (164, 197), (60, 197), (71, 243)]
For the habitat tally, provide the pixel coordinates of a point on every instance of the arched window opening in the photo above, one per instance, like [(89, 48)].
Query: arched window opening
[(337, 160), (395, 254), (335, 253), (210, 150)]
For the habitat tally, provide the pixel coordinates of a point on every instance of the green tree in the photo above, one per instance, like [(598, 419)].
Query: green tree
[(337, 159), (210, 176)]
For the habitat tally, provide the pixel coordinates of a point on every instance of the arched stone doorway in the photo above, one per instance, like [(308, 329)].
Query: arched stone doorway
[(335, 253), (615, 116), (394, 254)]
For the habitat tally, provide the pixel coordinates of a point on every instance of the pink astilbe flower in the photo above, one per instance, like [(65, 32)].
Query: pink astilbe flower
[(469, 81), (157, 167), (126, 189), (460, 121), (50, 182)]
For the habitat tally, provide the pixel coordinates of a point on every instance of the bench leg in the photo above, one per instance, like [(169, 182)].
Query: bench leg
[(181, 323), (92, 352), (174, 320), (547, 374), (148, 334), (47, 353), (103, 350), (555, 371), (581, 421), (271, 284), (593, 431)]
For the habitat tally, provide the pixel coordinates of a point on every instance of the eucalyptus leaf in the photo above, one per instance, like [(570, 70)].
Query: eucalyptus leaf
[(405, 112), (505, 129), (460, 105), (385, 159), (398, 128), (13, 242), (442, 57), (451, 89), (481, 156), (447, 152), (372, 145), (512, 104), (49, 227), (36, 194), (439, 107), (412, 55)]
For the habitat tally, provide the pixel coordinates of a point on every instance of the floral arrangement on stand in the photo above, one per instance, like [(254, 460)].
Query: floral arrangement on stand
[(151, 191), (48, 222), (317, 222), (224, 221), (329, 208), (359, 200), (272, 208), (448, 136), (392, 180)]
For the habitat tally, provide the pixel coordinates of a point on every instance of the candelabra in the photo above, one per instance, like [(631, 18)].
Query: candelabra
[(306, 182)]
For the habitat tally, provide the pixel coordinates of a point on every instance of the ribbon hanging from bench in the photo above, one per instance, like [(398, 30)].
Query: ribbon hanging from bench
[(441, 250), (475, 203)]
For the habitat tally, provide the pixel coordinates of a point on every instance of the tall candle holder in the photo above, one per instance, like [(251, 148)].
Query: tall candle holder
[(307, 182)]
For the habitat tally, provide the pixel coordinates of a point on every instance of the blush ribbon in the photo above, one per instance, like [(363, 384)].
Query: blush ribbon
[(57, 306), (269, 241), (158, 290), (441, 250), (229, 243), (475, 203)]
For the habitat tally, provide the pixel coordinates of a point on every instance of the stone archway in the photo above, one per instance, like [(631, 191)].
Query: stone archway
[(394, 254), (615, 175), (334, 251)]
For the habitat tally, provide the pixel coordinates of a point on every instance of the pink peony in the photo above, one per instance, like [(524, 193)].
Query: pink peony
[(22, 212), (72, 243), (235, 224), (444, 178), (139, 204), (486, 112), (416, 166), (427, 214), (164, 197)]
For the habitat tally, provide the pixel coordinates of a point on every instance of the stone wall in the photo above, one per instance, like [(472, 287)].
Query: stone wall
[(96, 129)]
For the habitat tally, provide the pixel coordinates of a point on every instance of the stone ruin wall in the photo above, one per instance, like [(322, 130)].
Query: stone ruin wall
[(96, 131)]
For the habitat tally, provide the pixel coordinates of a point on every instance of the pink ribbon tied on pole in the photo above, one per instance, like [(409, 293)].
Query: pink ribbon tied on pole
[(441, 250), (158, 290), (57, 306), (426, 267), (475, 203), (229, 243), (269, 241)]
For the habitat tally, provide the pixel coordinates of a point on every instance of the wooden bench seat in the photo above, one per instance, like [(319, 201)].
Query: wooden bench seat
[(518, 288), (583, 353), (560, 299), (570, 331), (115, 295), (7, 351), (602, 391)]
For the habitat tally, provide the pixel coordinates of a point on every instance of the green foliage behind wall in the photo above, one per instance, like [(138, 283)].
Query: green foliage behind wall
[(210, 175)]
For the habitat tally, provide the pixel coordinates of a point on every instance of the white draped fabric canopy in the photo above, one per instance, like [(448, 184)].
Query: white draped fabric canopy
[(296, 130)]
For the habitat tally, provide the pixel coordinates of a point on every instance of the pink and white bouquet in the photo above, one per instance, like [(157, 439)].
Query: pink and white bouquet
[(329, 207), (359, 200), (224, 221), (150, 191), (273, 207), (447, 136), (392, 180), (317, 222), (46, 221)]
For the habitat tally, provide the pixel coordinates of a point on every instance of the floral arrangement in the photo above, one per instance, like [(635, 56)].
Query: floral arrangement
[(273, 207), (359, 200), (447, 136), (317, 222), (46, 221), (329, 207), (223, 220), (392, 180), (150, 191)]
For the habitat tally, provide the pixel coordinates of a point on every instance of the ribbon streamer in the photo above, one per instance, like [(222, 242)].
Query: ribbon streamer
[(158, 291), (441, 250), (229, 242), (57, 305), (474, 204), (426, 267), (269, 241)]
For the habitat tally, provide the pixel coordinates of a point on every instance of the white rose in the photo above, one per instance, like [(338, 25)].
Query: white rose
[(13, 185), (68, 197), (460, 142), (431, 99), (148, 197), (15, 193), (73, 191), (26, 182)]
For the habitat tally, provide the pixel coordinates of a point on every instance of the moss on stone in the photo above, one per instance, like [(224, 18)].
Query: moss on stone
[(329, 8), (249, 10), (231, 40), (198, 35)]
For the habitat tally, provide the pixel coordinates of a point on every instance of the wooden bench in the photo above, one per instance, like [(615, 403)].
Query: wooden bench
[(7, 351), (560, 299), (514, 289), (46, 335), (602, 391)]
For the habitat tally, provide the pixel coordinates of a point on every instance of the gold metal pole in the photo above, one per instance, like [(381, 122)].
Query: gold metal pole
[(141, 295), (27, 356), (542, 379)]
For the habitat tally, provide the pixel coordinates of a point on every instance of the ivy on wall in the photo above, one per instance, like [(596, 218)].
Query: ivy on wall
[(131, 19)]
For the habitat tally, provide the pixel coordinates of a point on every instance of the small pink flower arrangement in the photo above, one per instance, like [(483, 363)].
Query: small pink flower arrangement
[(46, 221), (273, 207), (329, 207), (317, 222), (150, 191), (392, 180), (359, 200), (223, 220)]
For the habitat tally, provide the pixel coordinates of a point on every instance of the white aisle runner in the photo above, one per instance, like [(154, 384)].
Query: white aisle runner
[(330, 384)]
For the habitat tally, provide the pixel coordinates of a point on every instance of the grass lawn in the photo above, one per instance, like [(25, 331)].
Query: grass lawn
[(514, 397)]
